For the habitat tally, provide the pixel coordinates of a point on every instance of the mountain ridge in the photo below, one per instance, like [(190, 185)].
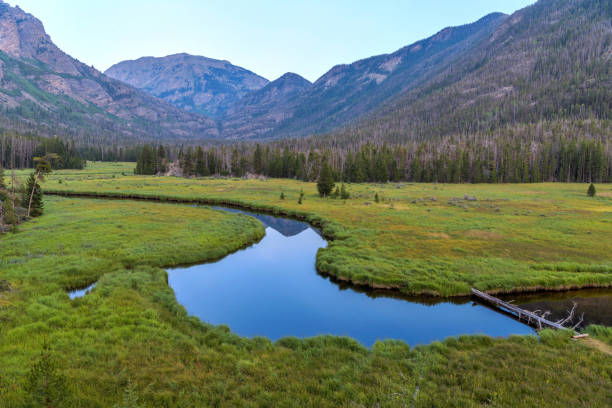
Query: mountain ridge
[(45, 90), (192, 82), (261, 111)]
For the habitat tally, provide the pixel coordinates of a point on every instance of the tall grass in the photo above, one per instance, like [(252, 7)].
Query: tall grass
[(420, 238), (131, 331)]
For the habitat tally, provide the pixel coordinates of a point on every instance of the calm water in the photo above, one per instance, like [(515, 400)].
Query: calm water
[(272, 289), (73, 294)]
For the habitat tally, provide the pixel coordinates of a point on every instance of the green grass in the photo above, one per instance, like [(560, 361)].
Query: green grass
[(131, 329), (419, 239)]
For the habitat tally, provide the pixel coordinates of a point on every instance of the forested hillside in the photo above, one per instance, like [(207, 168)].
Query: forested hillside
[(550, 61)]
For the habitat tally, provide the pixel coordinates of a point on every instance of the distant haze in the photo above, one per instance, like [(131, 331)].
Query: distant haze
[(267, 37)]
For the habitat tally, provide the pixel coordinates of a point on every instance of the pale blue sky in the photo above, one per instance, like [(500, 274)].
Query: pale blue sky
[(268, 37)]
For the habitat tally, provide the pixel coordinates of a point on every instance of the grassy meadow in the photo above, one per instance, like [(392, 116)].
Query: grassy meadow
[(130, 339), (438, 239)]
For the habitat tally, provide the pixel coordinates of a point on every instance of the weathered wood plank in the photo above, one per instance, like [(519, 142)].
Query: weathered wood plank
[(530, 317)]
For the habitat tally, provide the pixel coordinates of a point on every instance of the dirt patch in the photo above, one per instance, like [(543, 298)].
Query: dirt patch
[(483, 234), (596, 344), (605, 194), (439, 235)]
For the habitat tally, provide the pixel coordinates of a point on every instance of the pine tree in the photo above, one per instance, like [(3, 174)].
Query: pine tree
[(45, 385), (343, 193), (336, 193), (376, 198), (32, 196), (2, 183), (8, 212), (326, 183), (258, 160), (282, 195), (200, 167), (301, 196), (591, 191), (188, 165)]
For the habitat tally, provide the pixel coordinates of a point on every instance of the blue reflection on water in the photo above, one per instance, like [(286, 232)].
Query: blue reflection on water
[(272, 289)]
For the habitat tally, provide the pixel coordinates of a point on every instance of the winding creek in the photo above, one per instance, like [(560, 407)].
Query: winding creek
[(272, 289)]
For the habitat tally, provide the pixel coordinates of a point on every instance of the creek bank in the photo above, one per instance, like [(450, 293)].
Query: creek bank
[(330, 230)]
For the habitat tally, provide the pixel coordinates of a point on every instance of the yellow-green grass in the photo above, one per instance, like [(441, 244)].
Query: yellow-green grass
[(419, 239), (77, 253), (131, 329)]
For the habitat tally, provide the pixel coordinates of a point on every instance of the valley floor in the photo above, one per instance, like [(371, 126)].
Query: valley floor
[(131, 334), (438, 239)]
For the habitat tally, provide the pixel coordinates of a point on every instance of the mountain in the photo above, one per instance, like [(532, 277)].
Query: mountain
[(196, 84), (291, 106), (43, 89), (348, 92), (261, 111), (547, 62), (551, 61)]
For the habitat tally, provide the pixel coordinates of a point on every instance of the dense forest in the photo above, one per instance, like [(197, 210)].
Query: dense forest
[(578, 151), (19, 150)]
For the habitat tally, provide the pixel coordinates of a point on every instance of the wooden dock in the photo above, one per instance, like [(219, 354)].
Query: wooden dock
[(525, 315)]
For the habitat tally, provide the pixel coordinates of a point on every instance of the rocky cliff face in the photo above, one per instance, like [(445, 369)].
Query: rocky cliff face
[(46, 90), (196, 84)]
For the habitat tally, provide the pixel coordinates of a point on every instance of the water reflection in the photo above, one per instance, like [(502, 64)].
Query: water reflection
[(73, 294), (272, 289)]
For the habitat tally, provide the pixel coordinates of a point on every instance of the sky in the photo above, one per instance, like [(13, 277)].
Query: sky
[(268, 37)]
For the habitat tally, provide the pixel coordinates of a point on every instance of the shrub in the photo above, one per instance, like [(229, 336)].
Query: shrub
[(591, 191)]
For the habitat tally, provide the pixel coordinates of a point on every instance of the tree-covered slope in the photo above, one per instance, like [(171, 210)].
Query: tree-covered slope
[(549, 61), (261, 111), (348, 92)]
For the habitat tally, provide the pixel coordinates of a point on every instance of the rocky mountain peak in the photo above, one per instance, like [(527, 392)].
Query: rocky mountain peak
[(194, 83), (23, 36)]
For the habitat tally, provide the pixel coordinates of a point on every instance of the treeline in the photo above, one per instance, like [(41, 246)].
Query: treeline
[(151, 160), (20, 151), (568, 152), (529, 153)]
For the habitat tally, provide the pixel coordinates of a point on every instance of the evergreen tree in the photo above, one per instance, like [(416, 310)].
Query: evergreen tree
[(258, 160), (8, 212), (376, 198), (146, 163), (188, 165), (46, 387), (32, 197), (282, 196), (301, 196), (343, 193), (200, 167), (161, 159), (336, 193), (3, 190), (325, 184), (591, 191)]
